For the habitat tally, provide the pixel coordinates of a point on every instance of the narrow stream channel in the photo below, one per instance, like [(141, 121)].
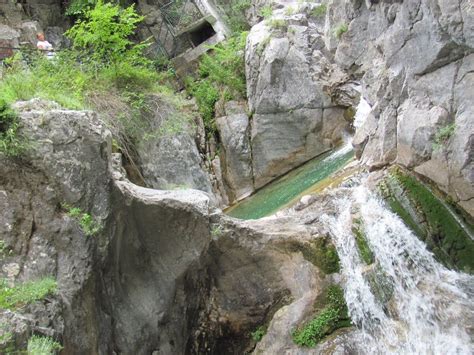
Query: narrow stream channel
[(282, 191)]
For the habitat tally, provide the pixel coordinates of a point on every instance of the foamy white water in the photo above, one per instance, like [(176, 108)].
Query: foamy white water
[(431, 307)]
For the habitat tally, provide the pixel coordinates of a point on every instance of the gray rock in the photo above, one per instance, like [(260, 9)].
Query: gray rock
[(236, 157), (71, 147), (9, 38), (294, 118), (413, 58), (280, 144), (29, 30), (169, 157)]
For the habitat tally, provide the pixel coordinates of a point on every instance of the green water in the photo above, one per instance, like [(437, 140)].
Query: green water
[(280, 192)]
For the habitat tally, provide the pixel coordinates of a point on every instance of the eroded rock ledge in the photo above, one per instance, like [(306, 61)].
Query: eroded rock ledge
[(168, 273)]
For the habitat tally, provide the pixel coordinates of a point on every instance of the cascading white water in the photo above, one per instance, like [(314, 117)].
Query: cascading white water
[(431, 307)]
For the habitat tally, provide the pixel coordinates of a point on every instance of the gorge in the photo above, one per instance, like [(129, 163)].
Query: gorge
[(276, 177)]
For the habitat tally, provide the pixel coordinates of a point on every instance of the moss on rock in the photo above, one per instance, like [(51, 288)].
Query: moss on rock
[(320, 252), (332, 316), (362, 245), (430, 219)]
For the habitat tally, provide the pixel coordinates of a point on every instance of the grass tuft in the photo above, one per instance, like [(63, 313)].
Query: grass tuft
[(41, 345), (340, 30), (14, 297)]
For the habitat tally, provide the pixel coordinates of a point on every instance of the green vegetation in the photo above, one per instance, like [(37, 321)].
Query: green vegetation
[(89, 226), (7, 344), (263, 44), (290, 10), (319, 11), (277, 24), (221, 77), (333, 316), (104, 72), (4, 250), (104, 34), (78, 7), (364, 250), (12, 143), (443, 235), (266, 11), (20, 295), (258, 333), (321, 253), (443, 135), (340, 30), (41, 345), (235, 15), (217, 231)]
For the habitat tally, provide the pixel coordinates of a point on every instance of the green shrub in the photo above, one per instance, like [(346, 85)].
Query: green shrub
[(41, 345), (17, 296), (88, 224), (221, 76), (104, 34), (12, 143), (206, 95), (340, 30), (277, 24), (78, 7), (443, 135), (7, 339), (258, 334), (226, 66), (319, 11), (333, 316), (235, 14), (266, 11)]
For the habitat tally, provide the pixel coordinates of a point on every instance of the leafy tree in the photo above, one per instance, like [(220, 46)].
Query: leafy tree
[(104, 34)]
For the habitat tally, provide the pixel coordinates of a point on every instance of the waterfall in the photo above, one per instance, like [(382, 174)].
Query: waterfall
[(430, 306)]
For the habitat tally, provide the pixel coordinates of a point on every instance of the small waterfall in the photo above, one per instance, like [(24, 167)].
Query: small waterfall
[(430, 308)]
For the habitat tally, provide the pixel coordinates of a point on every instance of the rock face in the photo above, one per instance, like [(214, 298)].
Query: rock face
[(67, 163), (169, 157), (415, 62), (236, 157), (166, 273), (294, 119)]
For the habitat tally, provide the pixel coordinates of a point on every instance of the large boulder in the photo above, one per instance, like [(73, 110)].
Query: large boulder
[(9, 39), (236, 157), (294, 118), (67, 162), (168, 154)]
